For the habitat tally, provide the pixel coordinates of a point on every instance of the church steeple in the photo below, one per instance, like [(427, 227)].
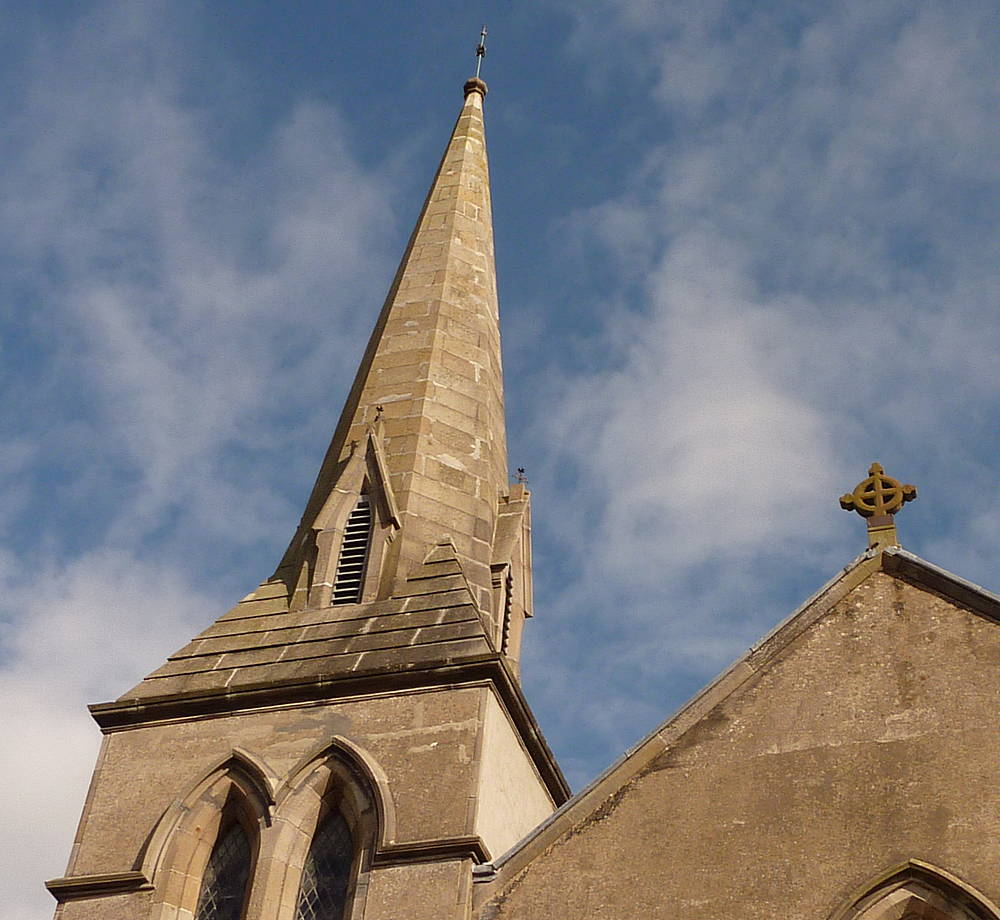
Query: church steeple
[(431, 376), (413, 551), (371, 683)]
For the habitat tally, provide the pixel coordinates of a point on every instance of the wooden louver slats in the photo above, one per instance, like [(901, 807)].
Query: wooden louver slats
[(349, 579)]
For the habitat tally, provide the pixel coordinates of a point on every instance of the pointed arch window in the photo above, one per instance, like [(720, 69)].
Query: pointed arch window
[(326, 875), (354, 550), (224, 885), (919, 890)]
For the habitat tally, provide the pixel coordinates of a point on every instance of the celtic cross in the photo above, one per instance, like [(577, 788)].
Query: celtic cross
[(878, 495), (878, 498)]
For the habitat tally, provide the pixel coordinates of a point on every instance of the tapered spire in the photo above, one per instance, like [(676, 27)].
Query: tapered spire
[(433, 366), (413, 552)]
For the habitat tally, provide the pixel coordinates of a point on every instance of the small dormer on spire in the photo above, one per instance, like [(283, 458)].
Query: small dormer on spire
[(877, 499)]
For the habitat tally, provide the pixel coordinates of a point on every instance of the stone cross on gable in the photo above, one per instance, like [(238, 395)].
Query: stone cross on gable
[(878, 498)]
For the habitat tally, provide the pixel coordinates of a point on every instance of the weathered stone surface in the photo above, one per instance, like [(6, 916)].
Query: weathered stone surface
[(438, 330), (425, 743), (869, 738), (511, 795), (434, 748), (116, 907), (433, 891)]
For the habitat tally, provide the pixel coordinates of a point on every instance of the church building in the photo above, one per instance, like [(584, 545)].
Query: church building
[(351, 740)]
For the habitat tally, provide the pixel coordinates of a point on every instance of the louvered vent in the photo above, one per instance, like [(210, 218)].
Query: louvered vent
[(353, 554)]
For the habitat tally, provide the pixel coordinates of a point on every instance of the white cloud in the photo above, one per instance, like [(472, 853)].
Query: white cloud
[(812, 222), (82, 630), (173, 265), (700, 442), (177, 295)]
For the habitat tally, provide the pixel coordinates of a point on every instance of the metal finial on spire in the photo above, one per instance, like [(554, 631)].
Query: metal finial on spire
[(480, 51)]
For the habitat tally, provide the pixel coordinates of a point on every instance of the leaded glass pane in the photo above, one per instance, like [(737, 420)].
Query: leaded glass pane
[(225, 884), (327, 872)]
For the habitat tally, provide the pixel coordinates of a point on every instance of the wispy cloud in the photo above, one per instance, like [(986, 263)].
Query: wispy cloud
[(80, 628), (791, 274), (819, 289), (161, 366)]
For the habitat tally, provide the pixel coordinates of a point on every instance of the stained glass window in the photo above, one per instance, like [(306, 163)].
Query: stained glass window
[(327, 871), (224, 887)]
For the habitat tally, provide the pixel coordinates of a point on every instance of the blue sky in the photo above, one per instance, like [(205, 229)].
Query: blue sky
[(745, 249)]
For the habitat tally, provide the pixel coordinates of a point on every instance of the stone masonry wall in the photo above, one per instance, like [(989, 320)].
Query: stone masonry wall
[(871, 739)]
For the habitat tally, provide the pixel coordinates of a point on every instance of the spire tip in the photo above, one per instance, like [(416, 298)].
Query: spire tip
[(475, 85), (480, 51)]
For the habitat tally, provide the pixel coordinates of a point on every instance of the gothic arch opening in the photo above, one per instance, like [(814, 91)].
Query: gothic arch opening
[(328, 870), (225, 882), (318, 855), (918, 890), (203, 855)]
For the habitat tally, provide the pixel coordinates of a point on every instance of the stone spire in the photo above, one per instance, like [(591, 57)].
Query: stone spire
[(376, 672), (433, 366), (414, 552)]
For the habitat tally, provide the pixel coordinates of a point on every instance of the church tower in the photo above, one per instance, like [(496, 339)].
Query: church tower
[(351, 738)]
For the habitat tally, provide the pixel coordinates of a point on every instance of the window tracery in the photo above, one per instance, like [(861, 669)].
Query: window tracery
[(224, 884), (231, 848), (326, 874)]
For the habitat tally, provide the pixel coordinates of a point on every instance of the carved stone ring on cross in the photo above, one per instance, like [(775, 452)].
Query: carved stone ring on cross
[(878, 494)]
